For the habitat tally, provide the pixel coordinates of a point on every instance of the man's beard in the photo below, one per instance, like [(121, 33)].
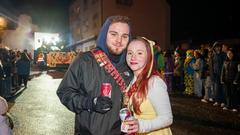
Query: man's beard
[(115, 51)]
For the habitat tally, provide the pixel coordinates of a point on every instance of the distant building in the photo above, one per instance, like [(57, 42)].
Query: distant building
[(150, 18)]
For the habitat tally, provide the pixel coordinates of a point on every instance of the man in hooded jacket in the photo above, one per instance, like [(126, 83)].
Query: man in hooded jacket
[(80, 89)]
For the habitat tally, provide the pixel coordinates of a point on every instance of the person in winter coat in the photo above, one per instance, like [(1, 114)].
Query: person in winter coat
[(168, 70), (80, 89), (178, 71), (198, 69), (229, 79), (23, 69), (2, 78), (217, 64)]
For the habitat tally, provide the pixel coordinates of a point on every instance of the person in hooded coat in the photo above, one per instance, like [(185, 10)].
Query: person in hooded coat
[(80, 89)]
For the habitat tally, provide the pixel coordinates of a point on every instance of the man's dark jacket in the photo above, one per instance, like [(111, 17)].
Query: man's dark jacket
[(83, 79)]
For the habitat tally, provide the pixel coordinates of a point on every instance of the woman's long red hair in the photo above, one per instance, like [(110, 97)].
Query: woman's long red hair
[(142, 80)]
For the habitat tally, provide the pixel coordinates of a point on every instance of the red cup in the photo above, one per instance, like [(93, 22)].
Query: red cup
[(106, 89)]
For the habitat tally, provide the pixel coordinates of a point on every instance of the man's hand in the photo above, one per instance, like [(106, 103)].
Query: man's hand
[(101, 104), (97, 104)]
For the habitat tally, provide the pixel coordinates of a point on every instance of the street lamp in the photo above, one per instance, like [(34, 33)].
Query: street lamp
[(3, 23)]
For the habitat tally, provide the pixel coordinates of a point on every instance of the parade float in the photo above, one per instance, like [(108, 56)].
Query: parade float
[(51, 51)]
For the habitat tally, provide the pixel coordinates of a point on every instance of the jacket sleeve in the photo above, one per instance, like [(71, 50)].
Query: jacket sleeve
[(222, 77), (237, 77), (71, 91)]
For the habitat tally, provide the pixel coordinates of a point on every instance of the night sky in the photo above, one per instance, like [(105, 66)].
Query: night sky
[(196, 20), (204, 20), (48, 15)]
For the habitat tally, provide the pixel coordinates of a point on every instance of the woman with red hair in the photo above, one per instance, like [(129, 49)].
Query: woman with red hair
[(147, 95)]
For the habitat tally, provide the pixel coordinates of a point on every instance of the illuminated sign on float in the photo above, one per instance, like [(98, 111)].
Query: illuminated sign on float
[(45, 39)]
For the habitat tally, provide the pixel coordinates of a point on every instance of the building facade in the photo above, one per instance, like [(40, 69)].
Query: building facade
[(150, 18)]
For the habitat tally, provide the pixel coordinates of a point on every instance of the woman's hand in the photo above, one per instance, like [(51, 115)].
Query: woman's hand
[(133, 126)]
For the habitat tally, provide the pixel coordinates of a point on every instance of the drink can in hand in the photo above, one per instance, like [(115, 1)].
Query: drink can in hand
[(125, 114), (106, 89)]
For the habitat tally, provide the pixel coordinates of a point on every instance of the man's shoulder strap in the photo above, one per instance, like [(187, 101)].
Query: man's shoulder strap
[(103, 61)]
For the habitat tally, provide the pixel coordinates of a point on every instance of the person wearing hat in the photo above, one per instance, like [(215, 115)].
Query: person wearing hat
[(4, 126), (188, 72)]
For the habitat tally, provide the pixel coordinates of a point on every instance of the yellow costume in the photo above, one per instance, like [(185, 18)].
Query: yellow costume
[(148, 111)]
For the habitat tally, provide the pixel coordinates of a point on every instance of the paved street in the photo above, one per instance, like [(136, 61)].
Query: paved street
[(38, 111), (192, 117)]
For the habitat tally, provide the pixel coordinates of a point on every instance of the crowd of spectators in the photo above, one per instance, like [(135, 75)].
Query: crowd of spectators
[(210, 73), (14, 71)]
